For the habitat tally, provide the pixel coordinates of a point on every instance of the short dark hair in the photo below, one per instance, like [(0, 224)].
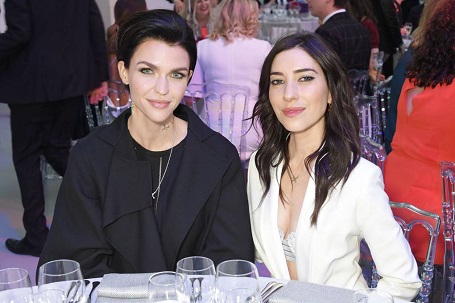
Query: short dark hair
[(339, 152), (341, 3), (159, 24)]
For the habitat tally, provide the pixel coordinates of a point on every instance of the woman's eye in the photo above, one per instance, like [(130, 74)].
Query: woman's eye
[(147, 71), (276, 81), (177, 75), (306, 78)]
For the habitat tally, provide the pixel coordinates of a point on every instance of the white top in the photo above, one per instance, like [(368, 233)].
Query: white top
[(329, 252)]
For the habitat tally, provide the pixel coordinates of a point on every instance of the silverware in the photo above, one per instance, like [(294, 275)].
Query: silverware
[(269, 289), (94, 285), (72, 295)]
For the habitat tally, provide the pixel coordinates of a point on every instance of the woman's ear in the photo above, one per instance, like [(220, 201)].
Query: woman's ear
[(123, 72)]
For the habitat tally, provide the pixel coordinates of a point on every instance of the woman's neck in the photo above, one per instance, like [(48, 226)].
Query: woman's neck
[(153, 136), (202, 20)]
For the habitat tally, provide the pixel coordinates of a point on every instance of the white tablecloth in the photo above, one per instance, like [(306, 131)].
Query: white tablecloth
[(274, 28)]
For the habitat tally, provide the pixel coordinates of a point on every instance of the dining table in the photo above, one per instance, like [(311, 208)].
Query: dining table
[(274, 27), (292, 291)]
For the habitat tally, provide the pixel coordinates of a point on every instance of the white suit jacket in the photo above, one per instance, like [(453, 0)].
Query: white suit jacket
[(329, 252)]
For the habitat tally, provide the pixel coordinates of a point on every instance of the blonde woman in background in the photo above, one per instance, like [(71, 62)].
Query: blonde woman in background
[(233, 55), (199, 15)]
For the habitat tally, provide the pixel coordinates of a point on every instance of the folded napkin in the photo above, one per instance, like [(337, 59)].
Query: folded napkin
[(303, 292), (118, 287)]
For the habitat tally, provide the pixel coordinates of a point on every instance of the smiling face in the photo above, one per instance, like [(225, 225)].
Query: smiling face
[(298, 92), (157, 76), (202, 7)]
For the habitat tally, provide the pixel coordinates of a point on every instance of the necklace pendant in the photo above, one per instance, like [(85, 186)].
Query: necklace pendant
[(153, 196)]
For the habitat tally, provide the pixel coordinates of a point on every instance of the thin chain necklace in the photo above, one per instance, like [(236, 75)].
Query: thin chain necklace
[(167, 165), (292, 176)]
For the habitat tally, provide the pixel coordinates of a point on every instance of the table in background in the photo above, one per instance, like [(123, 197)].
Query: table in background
[(273, 28)]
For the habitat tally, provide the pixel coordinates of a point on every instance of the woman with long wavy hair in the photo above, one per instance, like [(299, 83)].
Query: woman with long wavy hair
[(312, 197), (425, 130)]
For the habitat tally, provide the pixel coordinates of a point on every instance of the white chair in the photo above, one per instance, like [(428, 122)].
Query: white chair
[(225, 109), (448, 212)]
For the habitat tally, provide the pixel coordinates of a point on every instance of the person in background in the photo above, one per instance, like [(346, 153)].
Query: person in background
[(389, 28), (51, 55), (312, 197), (361, 11), (199, 14), (399, 73), (348, 38), (229, 52), (123, 9), (425, 130), (156, 185)]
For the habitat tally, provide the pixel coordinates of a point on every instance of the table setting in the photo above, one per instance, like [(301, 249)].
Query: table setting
[(195, 280)]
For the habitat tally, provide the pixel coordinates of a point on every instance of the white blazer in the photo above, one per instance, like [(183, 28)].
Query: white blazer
[(329, 252)]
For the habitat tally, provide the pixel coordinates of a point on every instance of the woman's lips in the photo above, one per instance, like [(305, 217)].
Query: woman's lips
[(293, 111), (159, 104)]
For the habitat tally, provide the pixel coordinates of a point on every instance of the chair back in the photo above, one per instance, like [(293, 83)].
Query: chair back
[(372, 151), (448, 207), (224, 108), (432, 223)]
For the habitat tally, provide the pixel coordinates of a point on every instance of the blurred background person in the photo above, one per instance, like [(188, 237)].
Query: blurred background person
[(425, 130), (399, 73), (199, 15), (52, 53), (123, 9), (233, 55)]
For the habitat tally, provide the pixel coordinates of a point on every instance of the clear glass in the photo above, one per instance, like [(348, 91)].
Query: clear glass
[(15, 286), (50, 296), (65, 275), (372, 295), (162, 286), (199, 280), (408, 28), (237, 282)]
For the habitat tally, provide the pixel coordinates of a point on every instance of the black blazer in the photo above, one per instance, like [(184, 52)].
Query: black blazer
[(104, 217), (349, 38), (388, 25), (52, 50)]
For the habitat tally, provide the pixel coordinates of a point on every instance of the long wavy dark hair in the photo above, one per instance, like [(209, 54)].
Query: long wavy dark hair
[(339, 151), (433, 60)]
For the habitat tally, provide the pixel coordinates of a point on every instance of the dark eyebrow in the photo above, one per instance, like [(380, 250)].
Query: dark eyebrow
[(302, 70), (153, 66)]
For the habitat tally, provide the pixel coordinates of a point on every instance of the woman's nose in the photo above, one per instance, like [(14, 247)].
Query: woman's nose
[(290, 92), (162, 86)]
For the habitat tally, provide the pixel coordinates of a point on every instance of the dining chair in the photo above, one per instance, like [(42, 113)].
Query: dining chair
[(372, 151), (432, 223), (448, 207), (224, 108)]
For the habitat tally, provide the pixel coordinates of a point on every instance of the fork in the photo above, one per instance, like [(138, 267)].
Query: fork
[(269, 289)]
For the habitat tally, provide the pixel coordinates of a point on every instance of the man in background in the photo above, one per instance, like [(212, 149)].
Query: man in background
[(52, 53), (348, 37)]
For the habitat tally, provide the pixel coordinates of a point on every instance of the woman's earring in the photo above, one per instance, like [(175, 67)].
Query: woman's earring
[(133, 106)]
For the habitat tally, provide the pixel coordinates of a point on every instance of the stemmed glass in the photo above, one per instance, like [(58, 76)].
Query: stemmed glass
[(64, 275), (15, 286), (372, 295), (408, 28), (237, 282), (199, 279), (407, 38), (162, 286)]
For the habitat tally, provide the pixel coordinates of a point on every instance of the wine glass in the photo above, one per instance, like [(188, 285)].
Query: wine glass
[(372, 295), (65, 275), (199, 279), (15, 286), (162, 286), (50, 296), (237, 282)]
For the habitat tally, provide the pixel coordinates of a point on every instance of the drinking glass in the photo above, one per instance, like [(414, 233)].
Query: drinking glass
[(64, 275), (50, 296), (237, 282), (372, 295), (199, 279), (162, 286), (15, 286)]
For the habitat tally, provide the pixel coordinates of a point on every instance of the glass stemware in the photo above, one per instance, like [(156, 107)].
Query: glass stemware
[(162, 286), (199, 279), (237, 282), (65, 275), (15, 286)]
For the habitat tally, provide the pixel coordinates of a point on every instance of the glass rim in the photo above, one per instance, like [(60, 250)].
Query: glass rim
[(209, 265), (168, 272), (41, 268), (17, 269), (253, 268)]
